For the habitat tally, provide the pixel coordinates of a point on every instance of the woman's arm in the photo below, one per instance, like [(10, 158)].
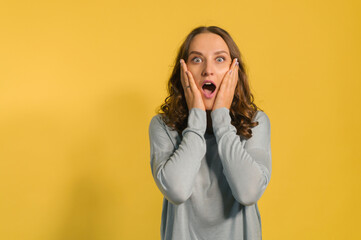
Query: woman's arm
[(174, 170), (246, 163)]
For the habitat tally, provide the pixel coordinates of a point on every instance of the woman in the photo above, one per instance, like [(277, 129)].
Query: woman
[(210, 145)]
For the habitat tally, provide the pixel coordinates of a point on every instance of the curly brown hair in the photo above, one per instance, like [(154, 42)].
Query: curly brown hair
[(174, 110)]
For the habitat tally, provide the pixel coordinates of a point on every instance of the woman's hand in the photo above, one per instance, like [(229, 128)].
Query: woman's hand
[(191, 92), (225, 94)]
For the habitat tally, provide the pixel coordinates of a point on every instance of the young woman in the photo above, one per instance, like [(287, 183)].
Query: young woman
[(210, 145)]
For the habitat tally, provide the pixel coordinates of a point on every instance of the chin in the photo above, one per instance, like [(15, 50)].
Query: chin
[(208, 105)]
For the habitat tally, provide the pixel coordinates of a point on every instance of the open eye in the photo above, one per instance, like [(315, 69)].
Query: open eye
[(196, 60), (220, 59)]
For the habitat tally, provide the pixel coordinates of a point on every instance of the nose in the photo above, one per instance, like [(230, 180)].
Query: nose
[(207, 69)]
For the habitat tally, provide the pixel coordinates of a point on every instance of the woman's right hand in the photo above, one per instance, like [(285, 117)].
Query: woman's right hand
[(191, 92)]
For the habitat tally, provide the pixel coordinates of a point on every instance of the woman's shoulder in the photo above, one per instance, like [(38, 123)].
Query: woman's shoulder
[(261, 117), (157, 121), (158, 129)]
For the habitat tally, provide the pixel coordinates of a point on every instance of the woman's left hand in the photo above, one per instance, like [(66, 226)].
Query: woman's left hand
[(225, 93)]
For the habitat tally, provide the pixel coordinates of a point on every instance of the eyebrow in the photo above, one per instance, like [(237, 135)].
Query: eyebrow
[(199, 53)]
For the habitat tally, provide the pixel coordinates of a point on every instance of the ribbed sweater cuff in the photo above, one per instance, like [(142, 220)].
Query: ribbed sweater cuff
[(221, 121), (197, 121)]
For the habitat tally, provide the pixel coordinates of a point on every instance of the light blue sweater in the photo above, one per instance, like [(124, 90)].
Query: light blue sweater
[(211, 182)]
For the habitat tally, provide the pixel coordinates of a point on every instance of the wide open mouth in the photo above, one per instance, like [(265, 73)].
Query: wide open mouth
[(209, 87)]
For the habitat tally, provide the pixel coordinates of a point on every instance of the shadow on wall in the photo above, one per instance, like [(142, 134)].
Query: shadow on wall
[(102, 161)]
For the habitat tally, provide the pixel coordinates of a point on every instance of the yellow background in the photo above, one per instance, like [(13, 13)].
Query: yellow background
[(80, 81)]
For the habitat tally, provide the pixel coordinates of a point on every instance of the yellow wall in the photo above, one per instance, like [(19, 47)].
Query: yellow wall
[(79, 83)]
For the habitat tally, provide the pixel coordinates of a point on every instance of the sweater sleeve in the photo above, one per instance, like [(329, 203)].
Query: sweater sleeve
[(246, 163), (174, 168)]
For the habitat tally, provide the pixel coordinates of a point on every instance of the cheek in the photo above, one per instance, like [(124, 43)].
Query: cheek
[(223, 68), (222, 73), (193, 69)]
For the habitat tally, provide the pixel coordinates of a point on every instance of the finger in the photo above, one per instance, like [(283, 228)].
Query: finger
[(184, 78), (230, 71), (235, 74), (191, 81), (227, 80), (233, 65), (184, 65), (187, 74)]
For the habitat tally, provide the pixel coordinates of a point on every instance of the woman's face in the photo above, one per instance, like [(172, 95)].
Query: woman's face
[(208, 61)]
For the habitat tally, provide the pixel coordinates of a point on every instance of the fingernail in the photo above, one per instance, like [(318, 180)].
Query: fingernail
[(230, 72)]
